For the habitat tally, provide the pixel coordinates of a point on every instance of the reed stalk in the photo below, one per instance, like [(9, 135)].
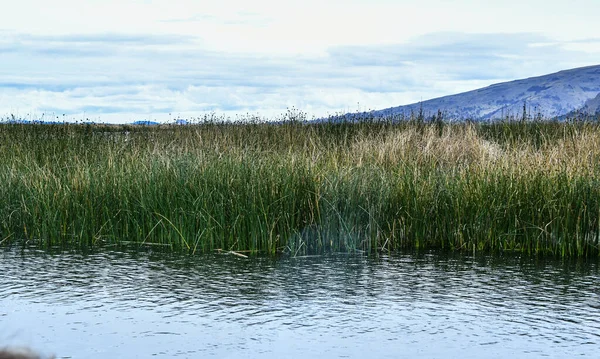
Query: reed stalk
[(304, 188)]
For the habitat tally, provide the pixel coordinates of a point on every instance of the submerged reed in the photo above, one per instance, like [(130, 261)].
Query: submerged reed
[(304, 188)]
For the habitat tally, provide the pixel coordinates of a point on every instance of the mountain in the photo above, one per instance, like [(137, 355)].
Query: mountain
[(554, 95)]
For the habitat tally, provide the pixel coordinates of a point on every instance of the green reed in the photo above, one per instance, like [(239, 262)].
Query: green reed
[(299, 188)]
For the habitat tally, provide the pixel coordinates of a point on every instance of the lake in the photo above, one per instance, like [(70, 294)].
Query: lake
[(428, 305)]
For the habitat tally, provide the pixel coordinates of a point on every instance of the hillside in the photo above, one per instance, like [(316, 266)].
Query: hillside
[(550, 95)]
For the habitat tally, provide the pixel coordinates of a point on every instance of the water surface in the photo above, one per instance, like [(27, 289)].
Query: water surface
[(125, 305)]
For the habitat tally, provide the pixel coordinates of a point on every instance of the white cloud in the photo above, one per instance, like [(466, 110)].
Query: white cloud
[(268, 26), (153, 57)]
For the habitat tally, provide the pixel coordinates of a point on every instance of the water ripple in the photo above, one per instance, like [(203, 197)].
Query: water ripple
[(143, 304)]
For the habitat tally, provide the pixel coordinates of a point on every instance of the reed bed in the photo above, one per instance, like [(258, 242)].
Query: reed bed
[(302, 188)]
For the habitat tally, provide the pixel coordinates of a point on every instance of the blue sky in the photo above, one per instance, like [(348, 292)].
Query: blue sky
[(119, 61)]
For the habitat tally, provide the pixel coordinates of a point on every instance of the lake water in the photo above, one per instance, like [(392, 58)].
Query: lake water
[(128, 305)]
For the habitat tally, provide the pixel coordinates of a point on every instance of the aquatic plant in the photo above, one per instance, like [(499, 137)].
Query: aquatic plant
[(300, 187)]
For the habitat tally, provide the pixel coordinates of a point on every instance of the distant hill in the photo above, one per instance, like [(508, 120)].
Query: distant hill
[(177, 121), (553, 95), (144, 123), (30, 122)]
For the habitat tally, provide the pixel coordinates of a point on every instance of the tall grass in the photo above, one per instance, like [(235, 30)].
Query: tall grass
[(304, 188)]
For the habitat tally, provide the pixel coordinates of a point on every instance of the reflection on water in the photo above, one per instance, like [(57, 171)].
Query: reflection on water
[(435, 306)]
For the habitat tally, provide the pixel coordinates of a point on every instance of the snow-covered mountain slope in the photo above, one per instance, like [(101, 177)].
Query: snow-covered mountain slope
[(592, 106), (550, 96)]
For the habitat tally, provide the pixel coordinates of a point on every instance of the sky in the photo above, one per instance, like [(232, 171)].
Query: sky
[(128, 60)]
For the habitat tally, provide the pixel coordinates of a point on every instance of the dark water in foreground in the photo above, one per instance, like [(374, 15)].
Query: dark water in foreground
[(119, 305)]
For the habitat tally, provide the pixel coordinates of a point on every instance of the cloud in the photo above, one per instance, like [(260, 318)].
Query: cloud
[(227, 18), (113, 73), (92, 45), (451, 62)]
